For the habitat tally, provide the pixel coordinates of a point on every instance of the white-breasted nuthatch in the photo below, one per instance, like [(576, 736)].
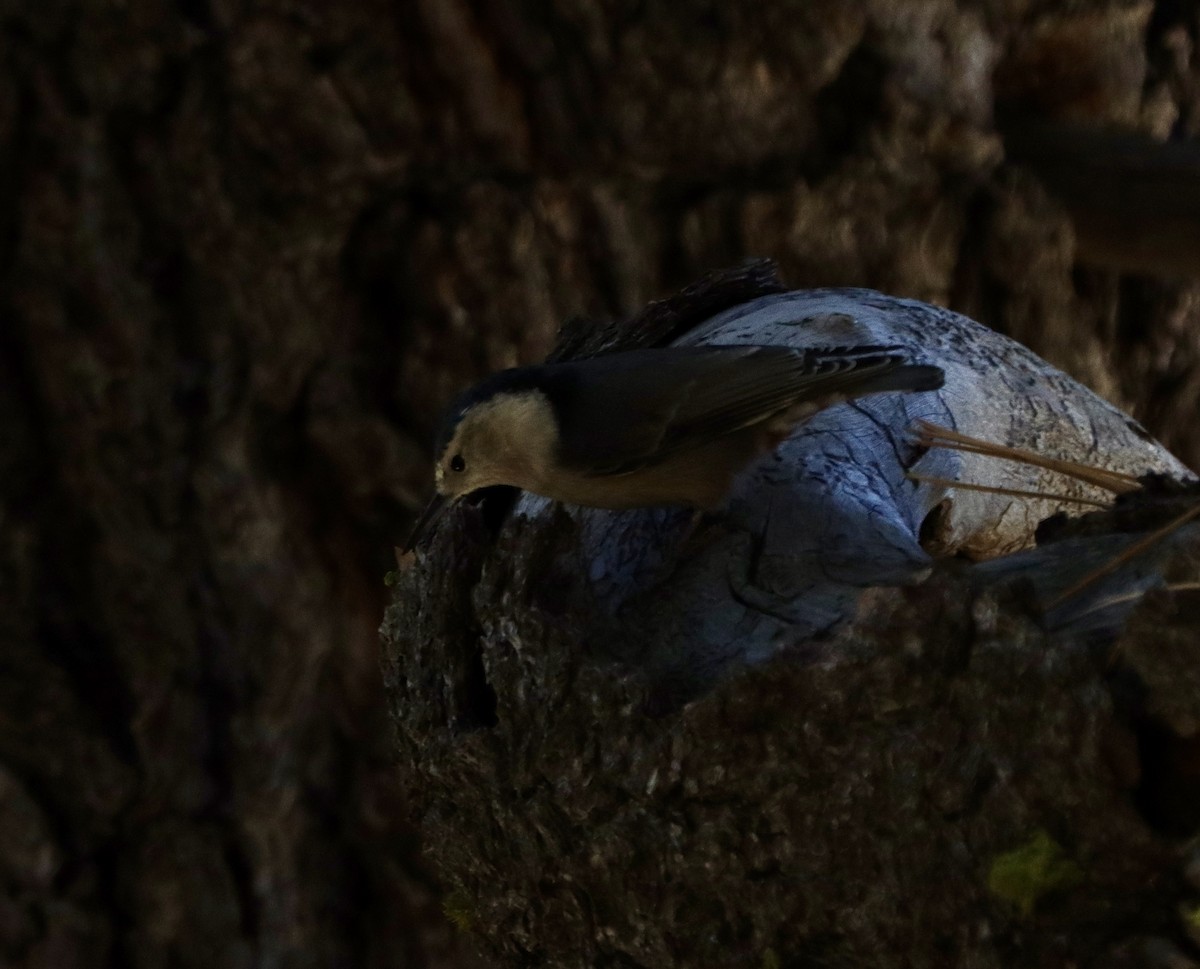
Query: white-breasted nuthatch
[(638, 428)]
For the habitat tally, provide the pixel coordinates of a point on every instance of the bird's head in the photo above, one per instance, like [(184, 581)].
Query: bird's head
[(503, 431), (500, 432)]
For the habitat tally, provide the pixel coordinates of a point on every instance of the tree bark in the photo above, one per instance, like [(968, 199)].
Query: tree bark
[(245, 255), (944, 782)]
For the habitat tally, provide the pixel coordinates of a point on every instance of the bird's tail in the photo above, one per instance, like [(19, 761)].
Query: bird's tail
[(907, 376)]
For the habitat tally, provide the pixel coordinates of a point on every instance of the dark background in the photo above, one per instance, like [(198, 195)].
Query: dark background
[(246, 252)]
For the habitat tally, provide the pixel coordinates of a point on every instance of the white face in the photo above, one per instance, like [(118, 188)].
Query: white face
[(509, 439), (461, 469)]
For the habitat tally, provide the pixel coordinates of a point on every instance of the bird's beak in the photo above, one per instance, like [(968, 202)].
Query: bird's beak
[(438, 505)]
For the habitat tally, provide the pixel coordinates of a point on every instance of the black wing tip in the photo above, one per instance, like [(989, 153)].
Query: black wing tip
[(928, 376), (855, 351), (914, 377)]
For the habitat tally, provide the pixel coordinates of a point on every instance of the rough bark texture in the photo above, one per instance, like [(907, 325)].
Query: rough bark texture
[(944, 784), (246, 251)]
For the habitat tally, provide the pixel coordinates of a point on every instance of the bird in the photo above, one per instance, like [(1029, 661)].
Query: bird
[(648, 427)]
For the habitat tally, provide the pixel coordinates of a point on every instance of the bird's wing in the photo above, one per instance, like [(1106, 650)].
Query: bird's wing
[(659, 402)]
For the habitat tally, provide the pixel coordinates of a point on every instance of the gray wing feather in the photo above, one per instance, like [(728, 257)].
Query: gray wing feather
[(659, 402), (766, 383)]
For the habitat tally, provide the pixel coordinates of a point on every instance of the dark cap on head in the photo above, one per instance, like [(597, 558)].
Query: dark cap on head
[(550, 382)]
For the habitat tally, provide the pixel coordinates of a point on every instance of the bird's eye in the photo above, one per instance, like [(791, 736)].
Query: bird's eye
[(457, 463)]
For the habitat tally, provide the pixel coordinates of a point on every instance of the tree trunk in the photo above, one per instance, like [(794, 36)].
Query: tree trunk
[(245, 255)]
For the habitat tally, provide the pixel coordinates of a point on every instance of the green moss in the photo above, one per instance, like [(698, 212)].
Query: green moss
[(1036, 869), (1192, 917), (458, 909), (770, 960)]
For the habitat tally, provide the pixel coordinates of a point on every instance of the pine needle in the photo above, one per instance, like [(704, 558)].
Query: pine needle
[(1132, 596), (996, 490), (934, 435), (1134, 550)]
